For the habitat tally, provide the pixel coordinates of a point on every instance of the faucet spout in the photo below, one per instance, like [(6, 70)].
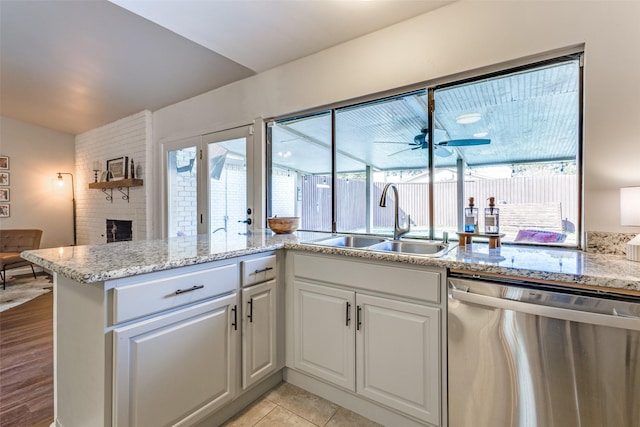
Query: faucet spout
[(397, 230)]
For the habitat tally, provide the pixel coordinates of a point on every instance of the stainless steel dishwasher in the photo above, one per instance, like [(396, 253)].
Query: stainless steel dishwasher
[(523, 355)]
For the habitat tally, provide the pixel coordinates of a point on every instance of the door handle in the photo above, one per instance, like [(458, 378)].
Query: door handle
[(358, 319), (235, 317), (348, 313), (246, 221), (250, 315)]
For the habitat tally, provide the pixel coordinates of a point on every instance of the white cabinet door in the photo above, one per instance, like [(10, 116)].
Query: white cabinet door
[(173, 368), (259, 332), (398, 355), (324, 333)]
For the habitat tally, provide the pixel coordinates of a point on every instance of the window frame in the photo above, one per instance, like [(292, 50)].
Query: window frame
[(571, 54)]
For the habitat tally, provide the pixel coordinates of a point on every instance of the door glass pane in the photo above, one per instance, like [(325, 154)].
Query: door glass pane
[(377, 143), (182, 192), (227, 176), (301, 170)]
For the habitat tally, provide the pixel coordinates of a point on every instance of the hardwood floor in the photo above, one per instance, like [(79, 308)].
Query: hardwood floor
[(26, 364)]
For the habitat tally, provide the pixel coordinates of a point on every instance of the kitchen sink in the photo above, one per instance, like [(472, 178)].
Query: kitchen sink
[(430, 248), (350, 241)]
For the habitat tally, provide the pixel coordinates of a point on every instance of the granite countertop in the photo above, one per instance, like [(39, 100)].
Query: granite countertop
[(88, 264)]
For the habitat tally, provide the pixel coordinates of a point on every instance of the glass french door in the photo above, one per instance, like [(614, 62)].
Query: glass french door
[(207, 187), (227, 181), (181, 169)]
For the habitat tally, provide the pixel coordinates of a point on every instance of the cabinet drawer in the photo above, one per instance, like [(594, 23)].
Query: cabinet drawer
[(258, 270), (144, 298)]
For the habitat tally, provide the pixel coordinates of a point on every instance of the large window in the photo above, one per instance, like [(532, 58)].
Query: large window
[(301, 170), (514, 136)]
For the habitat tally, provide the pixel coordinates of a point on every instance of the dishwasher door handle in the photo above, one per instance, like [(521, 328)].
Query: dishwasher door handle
[(547, 311)]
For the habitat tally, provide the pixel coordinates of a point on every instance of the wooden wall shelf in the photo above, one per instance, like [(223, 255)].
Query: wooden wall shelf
[(116, 184), (121, 185)]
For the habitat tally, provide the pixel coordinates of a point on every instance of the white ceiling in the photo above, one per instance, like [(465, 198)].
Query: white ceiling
[(73, 65)]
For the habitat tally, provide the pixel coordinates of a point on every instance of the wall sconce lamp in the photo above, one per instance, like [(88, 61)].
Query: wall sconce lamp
[(73, 201), (630, 215)]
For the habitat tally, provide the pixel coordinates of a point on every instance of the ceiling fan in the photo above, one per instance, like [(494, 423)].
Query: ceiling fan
[(421, 141)]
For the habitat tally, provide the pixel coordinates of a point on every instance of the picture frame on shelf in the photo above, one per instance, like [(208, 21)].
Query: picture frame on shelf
[(4, 178), (118, 168), (103, 176), (4, 194), (5, 210), (4, 163)]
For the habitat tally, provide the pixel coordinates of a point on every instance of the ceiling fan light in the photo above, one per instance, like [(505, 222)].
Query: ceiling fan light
[(465, 119)]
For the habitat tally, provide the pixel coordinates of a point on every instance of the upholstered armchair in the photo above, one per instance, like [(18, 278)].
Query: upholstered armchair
[(12, 243)]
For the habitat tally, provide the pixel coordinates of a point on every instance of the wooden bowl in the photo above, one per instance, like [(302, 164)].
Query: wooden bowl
[(284, 225)]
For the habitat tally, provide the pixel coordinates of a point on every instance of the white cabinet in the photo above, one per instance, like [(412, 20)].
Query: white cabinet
[(172, 368), (259, 332), (175, 347), (383, 346), (259, 319), (398, 350), (176, 366), (323, 330)]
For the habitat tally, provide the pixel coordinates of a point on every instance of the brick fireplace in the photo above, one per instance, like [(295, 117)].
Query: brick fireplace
[(119, 230)]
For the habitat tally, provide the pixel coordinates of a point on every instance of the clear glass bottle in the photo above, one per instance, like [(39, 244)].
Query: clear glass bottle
[(470, 217), (491, 218)]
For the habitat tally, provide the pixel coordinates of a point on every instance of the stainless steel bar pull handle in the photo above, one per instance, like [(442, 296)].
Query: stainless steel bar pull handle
[(263, 270), (191, 289), (548, 311), (250, 315)]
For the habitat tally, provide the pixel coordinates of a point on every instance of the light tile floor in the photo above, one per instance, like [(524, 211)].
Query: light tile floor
[(288, 405)]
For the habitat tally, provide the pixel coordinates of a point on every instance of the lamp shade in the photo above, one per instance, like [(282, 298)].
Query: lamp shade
[(630, 206)]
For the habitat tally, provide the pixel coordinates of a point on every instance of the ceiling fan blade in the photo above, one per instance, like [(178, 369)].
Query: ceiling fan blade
[(464, 142)]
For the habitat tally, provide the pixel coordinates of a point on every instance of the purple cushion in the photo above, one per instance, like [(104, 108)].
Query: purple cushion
[(539, 236)]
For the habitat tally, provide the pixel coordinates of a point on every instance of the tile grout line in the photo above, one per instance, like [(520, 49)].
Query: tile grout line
[(331, 417), (265, 415)]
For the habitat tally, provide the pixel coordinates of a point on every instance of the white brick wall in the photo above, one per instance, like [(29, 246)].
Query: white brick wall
[(233, 182), (283, 196), (183, 206), (131, 137)]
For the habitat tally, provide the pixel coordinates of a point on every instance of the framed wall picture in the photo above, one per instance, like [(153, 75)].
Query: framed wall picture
[(4, 163), (4, 178), (4, 210), (4, 194), (118, 168)]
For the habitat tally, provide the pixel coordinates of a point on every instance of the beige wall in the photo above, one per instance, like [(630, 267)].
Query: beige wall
[(37, 201), (465, 36)]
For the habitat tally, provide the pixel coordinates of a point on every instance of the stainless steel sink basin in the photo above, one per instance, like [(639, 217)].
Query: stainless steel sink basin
[(350, 241), (415, 248), (428, 248)]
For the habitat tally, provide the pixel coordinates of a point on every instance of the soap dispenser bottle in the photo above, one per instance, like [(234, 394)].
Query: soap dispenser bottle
[(470, 217), (491, 218)]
